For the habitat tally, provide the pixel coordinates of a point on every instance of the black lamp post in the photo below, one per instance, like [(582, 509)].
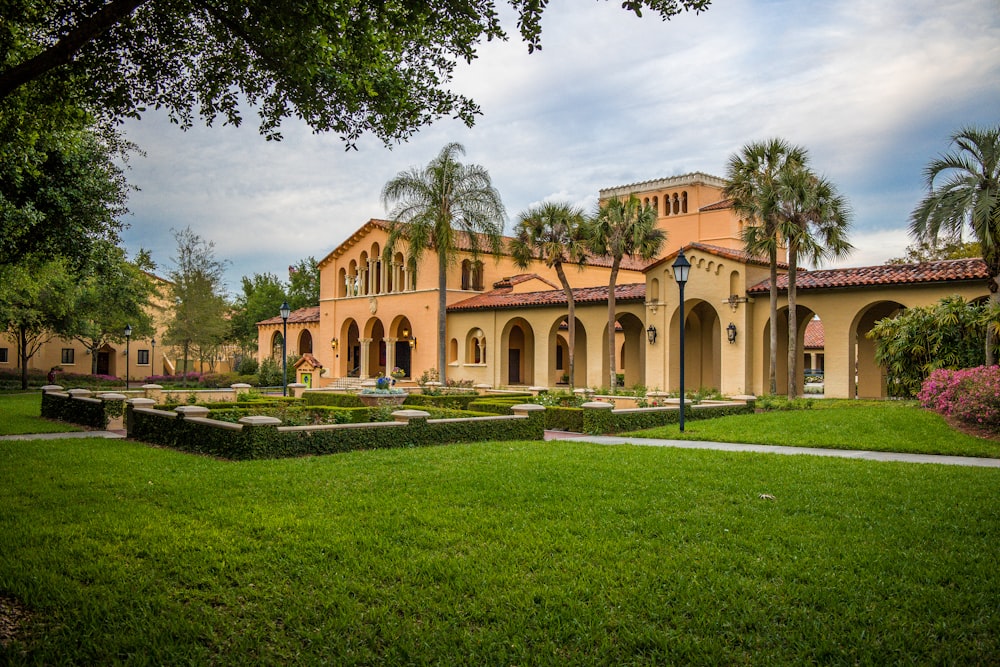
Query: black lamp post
[(682, 267), (285, 312), (152, 358), (128, 335)]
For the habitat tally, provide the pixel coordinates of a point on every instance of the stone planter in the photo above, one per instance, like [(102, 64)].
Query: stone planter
[(373, 400)]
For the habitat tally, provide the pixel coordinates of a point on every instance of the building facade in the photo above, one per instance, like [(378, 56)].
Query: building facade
[(507, 326)]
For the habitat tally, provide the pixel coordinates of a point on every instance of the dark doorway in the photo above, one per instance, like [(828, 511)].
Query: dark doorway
[(514, 366), (103, 363), (403, 357)]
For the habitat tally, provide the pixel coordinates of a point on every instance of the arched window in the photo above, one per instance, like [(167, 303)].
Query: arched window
[(466, 273), (684, 202), (475, 347), (305, 342), (656, 204), (677, 204), (453, 351), (477, 276), (342, 283)]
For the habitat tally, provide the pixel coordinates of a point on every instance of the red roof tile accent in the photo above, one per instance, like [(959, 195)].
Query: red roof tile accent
[(884, 274), (815, 336), (307, 315), (503, 298), (717, 206), (510, 281), (308, 358), (718, 251)]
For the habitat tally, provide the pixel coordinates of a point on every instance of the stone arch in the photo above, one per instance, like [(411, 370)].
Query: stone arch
[(353, 282), (376, 353), (517, 342), (803, 315), (276, 345), (558, 344), (401, 344), (376, 269), (364, 274), (453, 351), (305, 342), (703, 339), (475, 346), (342, 282), (870, 379), (630, 350), (350, 348), (399, 269), (654, 291)]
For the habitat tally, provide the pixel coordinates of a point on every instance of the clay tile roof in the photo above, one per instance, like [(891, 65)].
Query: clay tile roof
[(309, 314), (308, 358), (718, 251), (883, 274), (504, 298), (718, 206), (815, 337)]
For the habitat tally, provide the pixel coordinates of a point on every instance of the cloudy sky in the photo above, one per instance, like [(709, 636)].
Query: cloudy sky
[(873, 88)]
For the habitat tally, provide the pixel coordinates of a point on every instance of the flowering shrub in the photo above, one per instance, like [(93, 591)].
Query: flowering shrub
[(971, 395), (398, 373)]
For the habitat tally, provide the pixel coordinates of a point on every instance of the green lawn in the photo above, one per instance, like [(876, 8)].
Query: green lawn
[(19, 414), (888, 426), (495, 553)]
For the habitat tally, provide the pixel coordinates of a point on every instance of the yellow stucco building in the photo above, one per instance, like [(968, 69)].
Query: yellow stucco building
[(507, 326)]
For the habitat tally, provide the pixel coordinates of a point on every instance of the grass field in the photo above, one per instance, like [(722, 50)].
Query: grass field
[(888, 426), (495, 553), (19, 414)]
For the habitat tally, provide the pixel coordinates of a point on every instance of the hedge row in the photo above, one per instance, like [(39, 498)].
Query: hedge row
[(609, 421), (85, 411), (205, 436), (329, 398)]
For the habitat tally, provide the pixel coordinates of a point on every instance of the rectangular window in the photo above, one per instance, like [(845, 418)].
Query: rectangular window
[(3, 356), (143, 357), (68, 355)]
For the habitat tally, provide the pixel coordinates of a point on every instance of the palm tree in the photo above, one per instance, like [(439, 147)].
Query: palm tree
[(967, 199), (814, 219), (623, 228), (443, 207), (555, 234), (752, 174)]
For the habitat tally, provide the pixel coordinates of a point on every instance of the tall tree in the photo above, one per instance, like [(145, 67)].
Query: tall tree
[(944, 247), (350, 68), (303, 284), (61, 193), (554, 233), (443, 207), (964, 195), (623, 228), (262, 295), (198, 320), (117, 293), (753, 174), (35, 302), (814, 218)]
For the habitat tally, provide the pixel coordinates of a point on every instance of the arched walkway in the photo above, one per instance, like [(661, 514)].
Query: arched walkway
[(870, 379), (558, 341), (703, 337), (517, 342), (630, 350)]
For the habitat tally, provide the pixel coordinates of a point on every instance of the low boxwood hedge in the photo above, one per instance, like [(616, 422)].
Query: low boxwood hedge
[(608, 421)]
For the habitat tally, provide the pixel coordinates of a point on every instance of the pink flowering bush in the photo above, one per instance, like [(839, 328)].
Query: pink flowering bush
[(971, 395)]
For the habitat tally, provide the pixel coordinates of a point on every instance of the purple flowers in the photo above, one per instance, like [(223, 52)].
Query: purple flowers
[(971, 395)]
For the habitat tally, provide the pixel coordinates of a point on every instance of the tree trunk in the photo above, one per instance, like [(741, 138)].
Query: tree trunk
[(442, 317), (773, 375), (22, 353), (570, 323), (612, 373), (793, 322)]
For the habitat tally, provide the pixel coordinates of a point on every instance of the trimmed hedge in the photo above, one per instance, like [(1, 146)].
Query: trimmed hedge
[(597, 421), (332, 399), (564, 419), (495, 406), (84, 411), (206, 436)]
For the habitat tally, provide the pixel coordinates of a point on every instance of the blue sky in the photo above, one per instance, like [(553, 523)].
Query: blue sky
[(872, 88)]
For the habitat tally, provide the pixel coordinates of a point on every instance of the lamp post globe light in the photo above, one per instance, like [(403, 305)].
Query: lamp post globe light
[(128, 336), (682, 267), (285, 312)]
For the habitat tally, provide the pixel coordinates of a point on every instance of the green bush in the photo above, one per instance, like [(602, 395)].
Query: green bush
[(564, 419), (609, 421), (247, 366), (84, 411), (330, 398), (454, 401), (269, 373)]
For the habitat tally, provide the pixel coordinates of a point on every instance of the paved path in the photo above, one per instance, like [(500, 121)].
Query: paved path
[(58, 436), (651, 442), (776, 449)]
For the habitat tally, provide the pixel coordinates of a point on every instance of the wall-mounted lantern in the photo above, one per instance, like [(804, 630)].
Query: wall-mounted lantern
[(651, 334), (731, 332)]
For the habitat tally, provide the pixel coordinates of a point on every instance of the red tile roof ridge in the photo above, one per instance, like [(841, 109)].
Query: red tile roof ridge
[(501, 299), (946, 270), (726, 253), (300, 316)]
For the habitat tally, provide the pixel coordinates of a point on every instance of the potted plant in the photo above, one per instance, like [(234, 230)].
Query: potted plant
[(398, 373), (383, 393)]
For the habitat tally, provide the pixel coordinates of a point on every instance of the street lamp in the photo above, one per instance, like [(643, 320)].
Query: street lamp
[(285, 312), (152, 359), (682, 267), (128, 335)]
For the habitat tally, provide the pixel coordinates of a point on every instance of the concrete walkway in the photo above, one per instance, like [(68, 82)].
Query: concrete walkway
[(650, 442), (58, 436), (777, 449)]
